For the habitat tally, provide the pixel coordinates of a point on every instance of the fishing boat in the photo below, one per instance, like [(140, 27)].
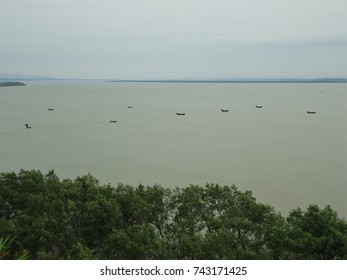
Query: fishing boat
[(224, 110), (50, 109), (258, 106), (310, 112), (130, 107), (27, 126), (180, 114), (113, 121)]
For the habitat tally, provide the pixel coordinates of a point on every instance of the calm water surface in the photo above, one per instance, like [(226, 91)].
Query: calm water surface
[(287, 157)]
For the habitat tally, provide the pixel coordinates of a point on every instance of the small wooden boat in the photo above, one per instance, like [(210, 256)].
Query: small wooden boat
[(180, 114), (27, 126), (130, 107), (258, 106), (224, 110), (50, 109), (113, 121), (310, 112)]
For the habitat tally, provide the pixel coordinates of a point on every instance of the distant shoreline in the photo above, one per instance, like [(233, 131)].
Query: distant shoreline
[(11, 84)]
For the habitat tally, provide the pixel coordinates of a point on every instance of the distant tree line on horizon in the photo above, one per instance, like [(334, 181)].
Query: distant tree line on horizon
[(42, 217), (11, 84)]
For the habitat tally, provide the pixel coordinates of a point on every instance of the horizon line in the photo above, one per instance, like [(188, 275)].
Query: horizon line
[(236, 80), (184, 80)]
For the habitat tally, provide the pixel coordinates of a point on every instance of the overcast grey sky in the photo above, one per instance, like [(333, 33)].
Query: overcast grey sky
[(157, 39)]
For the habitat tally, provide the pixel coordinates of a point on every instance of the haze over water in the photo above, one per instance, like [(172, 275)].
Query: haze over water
[(288, 158)]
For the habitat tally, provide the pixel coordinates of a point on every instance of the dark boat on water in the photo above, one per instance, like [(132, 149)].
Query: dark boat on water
[(310, 112), (50, 109), (27, 126), (113, 121), (130, 107), (224, 110), (180, 114), (258, 106)]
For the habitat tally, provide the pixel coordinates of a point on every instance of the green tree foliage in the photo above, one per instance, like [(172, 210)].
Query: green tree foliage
[(81, 219), (6, 251), (318, 233)]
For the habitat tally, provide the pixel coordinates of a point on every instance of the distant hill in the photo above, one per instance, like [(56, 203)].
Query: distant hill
[(9, 77), (11, 84)]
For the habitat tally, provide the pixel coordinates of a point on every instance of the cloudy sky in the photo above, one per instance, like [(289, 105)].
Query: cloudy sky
[(178, 39)]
